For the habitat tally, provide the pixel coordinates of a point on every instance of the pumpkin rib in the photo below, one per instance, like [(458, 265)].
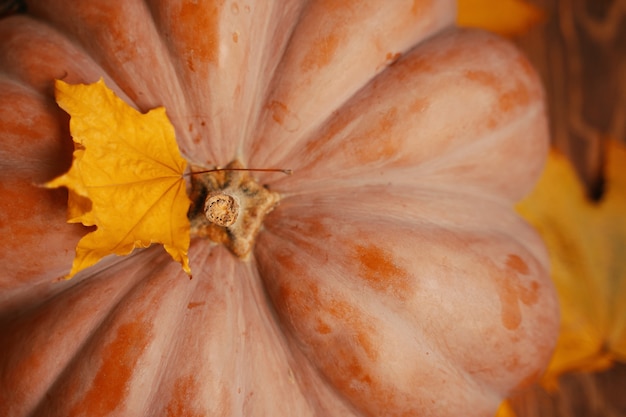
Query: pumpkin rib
[(121, 55), (348, 365), (131, 342), (25, 145), (9, 82), (364, 138), (32, 364), (201, 252), (320, 393), (64, 58), (28, 221), (299, 227), (184, 94), (179, 388), (318, 50), (224, 78), (433, 205), (521, 281), (270, 320), (264, 85), (26, 225), (439, 173), (454, 168), (177, 334)]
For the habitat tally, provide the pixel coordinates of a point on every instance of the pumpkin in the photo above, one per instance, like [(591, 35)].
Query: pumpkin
[(393, 277)]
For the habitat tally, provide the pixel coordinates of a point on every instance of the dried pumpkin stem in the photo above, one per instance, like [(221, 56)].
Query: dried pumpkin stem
[(221, 209), (228, 206)]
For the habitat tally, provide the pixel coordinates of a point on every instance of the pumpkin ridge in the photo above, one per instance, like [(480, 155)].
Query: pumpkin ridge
[(178, 81), (76, 287), (165, 366), (333, 141), (93, 341), (253, 125), (431, 167), (415, 30), (307, 347)]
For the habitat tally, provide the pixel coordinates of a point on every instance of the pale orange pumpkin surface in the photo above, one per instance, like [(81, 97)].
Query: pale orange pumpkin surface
[(392, 279)]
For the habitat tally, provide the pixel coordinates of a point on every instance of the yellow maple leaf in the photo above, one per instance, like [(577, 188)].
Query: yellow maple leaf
[(587, 245), (505, 17), (126, 177)]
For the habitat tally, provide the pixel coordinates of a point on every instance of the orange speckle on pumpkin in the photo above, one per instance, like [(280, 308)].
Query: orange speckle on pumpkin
[(513, 288), (361, 331), (195, 304), (379, 143), (353, 339), (418, 105), (338, 309), (197, 26), (314, 226), (483, 77), (322, 327), (516, 97), (508, 98), (183, 397), (366, 343), (510, 312), (21, 199), (530, 295), (316, 146), (380, 271), (334, 7), (293, 297), (321, 53), (420, 7), (517, 264), (284, 116), (25, 369), (119, 360)]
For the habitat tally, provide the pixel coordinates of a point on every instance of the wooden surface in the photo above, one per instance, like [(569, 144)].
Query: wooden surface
[(580, 52), (580, 395)]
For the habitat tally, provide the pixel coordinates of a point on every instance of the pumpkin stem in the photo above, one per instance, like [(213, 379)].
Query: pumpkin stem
[(229, 205), (221, 209)]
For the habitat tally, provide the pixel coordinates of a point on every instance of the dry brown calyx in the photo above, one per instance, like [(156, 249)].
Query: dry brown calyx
[(228, 206)]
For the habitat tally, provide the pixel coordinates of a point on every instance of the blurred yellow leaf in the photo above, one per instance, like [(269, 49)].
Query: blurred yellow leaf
[(505, 17), (505, 410), (587, 245), (126, 177)]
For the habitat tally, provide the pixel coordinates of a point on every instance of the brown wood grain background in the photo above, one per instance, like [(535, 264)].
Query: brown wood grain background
[(580, 52), (602, 394)]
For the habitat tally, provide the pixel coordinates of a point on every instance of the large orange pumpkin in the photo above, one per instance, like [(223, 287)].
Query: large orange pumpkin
[(392, 279)]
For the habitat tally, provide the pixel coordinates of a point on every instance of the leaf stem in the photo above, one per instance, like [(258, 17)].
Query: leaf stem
[(284, 171)]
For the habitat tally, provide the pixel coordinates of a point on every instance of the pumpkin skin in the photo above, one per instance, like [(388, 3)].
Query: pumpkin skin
[(393, 279)]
